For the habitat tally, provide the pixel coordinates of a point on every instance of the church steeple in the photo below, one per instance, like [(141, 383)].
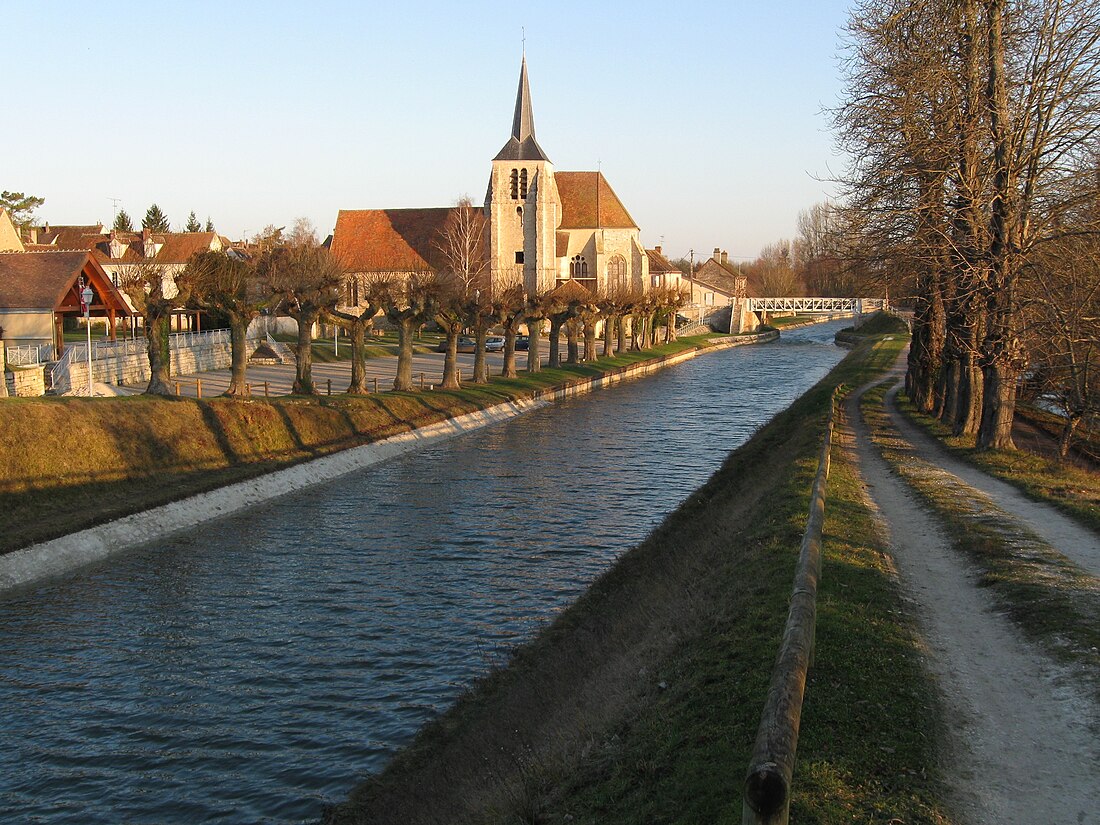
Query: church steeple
[(522, 145)]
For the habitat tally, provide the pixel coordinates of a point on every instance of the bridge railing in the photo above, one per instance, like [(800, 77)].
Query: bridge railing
[(817, 305)]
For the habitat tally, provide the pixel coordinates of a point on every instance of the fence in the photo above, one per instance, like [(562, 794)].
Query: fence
[(768, 783), (25, 355)]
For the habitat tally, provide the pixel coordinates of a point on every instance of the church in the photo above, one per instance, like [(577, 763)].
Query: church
[(544, 227)]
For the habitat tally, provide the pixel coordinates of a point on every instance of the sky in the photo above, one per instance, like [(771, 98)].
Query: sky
[(707, 118)]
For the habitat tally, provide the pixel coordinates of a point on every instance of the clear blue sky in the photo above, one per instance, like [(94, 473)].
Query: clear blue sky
[(707, 116)]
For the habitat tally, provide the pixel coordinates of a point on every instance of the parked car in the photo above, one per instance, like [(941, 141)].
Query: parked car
[(465, 344), (494, 343), (523, 343)]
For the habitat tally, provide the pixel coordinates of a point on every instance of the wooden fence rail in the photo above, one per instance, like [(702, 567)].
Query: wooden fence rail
[(767, 795)]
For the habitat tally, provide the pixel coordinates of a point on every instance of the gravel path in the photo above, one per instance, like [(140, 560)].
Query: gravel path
[(1021, 748)]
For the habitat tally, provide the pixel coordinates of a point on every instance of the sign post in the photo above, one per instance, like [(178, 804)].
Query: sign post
[(85, 307)]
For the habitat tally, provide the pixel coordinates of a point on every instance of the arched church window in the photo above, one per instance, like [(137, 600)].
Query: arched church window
[(616, 272), (514, 181), (578, 267), (523, 183)]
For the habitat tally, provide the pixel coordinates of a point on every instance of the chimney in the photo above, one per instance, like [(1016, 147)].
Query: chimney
[(725, 258), (145, 233), (657, 249), (717, 254)]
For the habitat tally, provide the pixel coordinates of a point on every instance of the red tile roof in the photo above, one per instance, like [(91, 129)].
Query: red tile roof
[(42, 280), (393, 240), (659, 264), (578, 202), (722, 278)]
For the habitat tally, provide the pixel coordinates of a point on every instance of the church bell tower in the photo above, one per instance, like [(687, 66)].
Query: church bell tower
[(523, 206)]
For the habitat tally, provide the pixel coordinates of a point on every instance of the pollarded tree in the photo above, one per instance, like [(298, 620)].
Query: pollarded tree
[(155, 220), (231, 286), (305, 282), (508, 310), (155, 293), (357, 319), (409, 301), (463, 288)]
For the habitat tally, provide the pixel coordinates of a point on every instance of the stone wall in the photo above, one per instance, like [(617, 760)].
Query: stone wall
[(128, 369), (25, 382)]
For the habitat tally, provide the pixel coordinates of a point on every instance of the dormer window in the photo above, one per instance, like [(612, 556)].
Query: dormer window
[(117, 248), (150, 250)]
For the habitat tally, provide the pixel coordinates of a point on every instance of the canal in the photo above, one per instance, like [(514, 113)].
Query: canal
[(263, 663)]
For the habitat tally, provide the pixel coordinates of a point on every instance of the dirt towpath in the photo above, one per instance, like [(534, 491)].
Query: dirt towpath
[(1023, 746)]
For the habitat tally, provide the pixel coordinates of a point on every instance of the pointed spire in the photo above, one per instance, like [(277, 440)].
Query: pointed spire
[(522, 145), (523, 123)]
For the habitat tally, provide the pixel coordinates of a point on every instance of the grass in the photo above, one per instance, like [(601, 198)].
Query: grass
[(792, 320), (70, 463), (880, 323), (1054, 602), (1072, 490), (324, 350), (640, 702)]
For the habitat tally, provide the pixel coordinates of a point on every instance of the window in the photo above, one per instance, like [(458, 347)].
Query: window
[(656, 281), (523, 184), (578, 267), (514, 184), (519, 257), (708, 298), (616, 272)]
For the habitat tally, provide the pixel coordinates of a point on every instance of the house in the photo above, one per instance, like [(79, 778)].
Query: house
[(719, 292), (662, 273), (38, 290), (542, 227)]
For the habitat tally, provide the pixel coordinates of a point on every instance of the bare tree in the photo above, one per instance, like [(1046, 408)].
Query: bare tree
[(509, 307), (357, 319), (463, 286), (305, 282), (231, 286), (409, 301), (155, 293)]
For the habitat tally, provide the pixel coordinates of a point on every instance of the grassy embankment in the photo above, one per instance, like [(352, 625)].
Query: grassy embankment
[(640, 702), (70, 463), (1053, 601)]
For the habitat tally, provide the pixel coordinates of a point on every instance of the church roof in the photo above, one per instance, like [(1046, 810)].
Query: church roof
[(522, 144), (392, 240), (580, 192)]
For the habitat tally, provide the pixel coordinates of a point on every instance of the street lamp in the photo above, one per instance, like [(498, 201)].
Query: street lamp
[(86, 296)]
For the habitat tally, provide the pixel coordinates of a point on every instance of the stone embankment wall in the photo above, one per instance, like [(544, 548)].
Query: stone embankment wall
[(133, 367)]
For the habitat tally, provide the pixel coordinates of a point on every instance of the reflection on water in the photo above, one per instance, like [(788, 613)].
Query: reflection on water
[(263, 663)]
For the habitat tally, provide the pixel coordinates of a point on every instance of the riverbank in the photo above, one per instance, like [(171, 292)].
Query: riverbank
[(640, 702), (84, 478)]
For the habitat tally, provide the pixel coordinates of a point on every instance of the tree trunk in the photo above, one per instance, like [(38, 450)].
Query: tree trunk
[(481, 366), (572, 348), (609, 335), (620, 328), (998, 408), (926, 351), (509, 368), (303, 374), (450, 360), (554, 357), (534, 361), (238, 338), (357, 332), (1067, 435), (160, 353), (590, 339), (406, 329)]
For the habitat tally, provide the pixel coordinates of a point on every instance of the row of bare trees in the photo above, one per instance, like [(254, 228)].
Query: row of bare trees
[(973, 127)]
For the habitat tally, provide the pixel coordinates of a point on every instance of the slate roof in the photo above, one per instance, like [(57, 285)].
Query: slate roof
[(522, 144), (40, 280), (578, 193), (659, 264), (392, 240)]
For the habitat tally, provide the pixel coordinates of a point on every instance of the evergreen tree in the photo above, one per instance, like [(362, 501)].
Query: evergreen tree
[(193, 224), (122, 222), (155, 220), (20, 207), (209, 224)]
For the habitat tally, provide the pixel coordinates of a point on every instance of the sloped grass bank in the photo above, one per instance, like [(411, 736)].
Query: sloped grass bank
[(640, 702), (71, 463)]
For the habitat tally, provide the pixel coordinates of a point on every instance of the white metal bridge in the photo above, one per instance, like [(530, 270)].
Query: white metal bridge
[(810, 306)]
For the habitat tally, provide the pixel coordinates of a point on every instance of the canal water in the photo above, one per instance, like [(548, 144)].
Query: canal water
[(262, 664)]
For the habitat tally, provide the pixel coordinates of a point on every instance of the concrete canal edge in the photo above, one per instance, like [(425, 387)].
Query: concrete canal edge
[(62, 555)]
